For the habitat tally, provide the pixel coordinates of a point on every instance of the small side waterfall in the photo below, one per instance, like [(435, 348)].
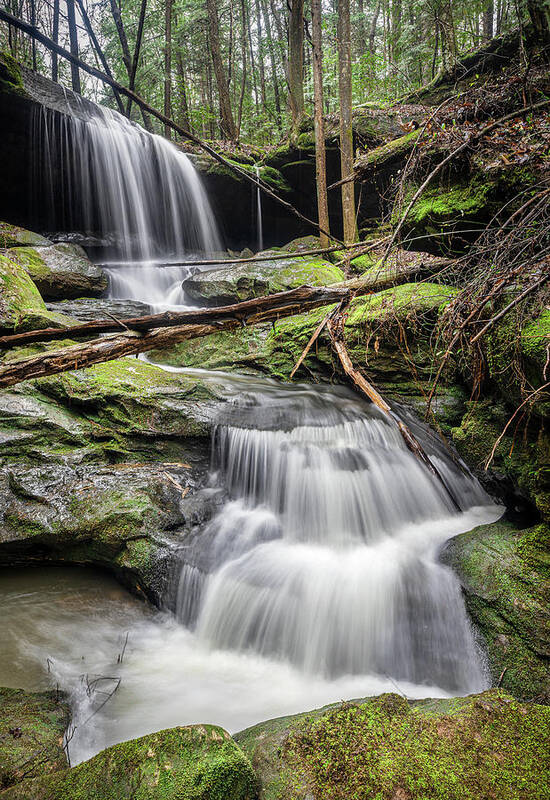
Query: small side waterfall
[(259, 217), (325, 554), (132, 192)]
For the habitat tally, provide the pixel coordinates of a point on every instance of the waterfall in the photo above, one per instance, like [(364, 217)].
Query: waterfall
[(133, 192), (324, 555), (259, 218)]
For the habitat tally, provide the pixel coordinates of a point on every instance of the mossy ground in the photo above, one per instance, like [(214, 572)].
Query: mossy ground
[(481, 747), (197, 762), (31, 735)]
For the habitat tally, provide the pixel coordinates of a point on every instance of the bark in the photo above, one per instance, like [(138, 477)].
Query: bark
[(228, 318), (488, 15), (117, 17), (346, 132), (320, 151), (243, 66), (184, 116), (272, 63), (296, 63), (372, 30), (168, 64), (55, 38), (226, 114), (539, 12), (33, 23), (137, 49), (261, 67), (73, 39)]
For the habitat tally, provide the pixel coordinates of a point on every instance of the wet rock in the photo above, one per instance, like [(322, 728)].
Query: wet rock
[(32, 725), (472, 748), (189, 763), (505, 575), (14, 236), (61, 271), (86, 309), (238, 282)]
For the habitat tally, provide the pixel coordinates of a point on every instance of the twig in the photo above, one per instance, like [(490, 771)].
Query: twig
[(500, 438), (313, 338), (510, 305)]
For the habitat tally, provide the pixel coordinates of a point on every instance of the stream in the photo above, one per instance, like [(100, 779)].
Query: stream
[(318, 579)]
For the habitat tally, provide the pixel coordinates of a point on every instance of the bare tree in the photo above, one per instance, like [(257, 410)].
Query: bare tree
[(320, 152)]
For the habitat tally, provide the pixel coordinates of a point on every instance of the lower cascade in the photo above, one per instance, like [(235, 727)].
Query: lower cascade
[(325, 553)]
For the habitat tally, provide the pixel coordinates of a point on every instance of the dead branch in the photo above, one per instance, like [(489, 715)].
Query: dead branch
[(336, 332), (518, 409), (511, 305)]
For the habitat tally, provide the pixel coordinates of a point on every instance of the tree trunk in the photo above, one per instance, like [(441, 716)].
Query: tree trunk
[(168, 64), (261, 67), (73, 39), (488, 15), (244, 67), (99, 51), (229, 129), (320, 151), (372, 30), (137, 50), (117, 17), (539, 12), (272, 63), (346, 131), (55, 38), (184, 116), (296, 63)]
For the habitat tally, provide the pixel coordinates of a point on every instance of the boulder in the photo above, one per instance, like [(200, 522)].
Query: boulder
[(238, 282), (467, 748), (32, 725), (196, 762), (61, 271), (505, 575), (86, 309), (21, 306), (14, 236)]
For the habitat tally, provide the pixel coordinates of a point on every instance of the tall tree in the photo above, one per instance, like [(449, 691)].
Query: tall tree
[(296, 62), (346, 131), (488, 15), (272, 62), (228, 126), (55, 38), (168, 64), (320, 152), (73, 43)]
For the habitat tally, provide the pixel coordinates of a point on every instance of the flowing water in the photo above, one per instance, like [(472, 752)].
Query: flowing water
[(134, 192), (318, 580)]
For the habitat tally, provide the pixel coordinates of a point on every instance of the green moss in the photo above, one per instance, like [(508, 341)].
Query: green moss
[(389, 152), (10, 75), (31, 734), (505, 575), (198, 762), (475, 748), (15, 236), (18, 294), (31, 261)]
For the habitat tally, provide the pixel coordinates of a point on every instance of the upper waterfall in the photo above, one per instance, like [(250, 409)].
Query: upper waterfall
[(103, 175)]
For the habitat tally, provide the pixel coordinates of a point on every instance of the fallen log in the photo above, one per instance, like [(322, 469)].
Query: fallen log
[(335, 325), (176, 327), (375, 281)]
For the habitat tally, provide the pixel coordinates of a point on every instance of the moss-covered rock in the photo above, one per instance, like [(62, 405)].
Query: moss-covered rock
[(505, 574), (31, 735), (61, 271), (18, 294), (240, 282), (15, 236), (474, 748), (197, 762)]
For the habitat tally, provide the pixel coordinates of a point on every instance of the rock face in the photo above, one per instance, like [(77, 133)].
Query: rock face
[(196, 762), (105, 466), (472, 748), (61, 271), (31, 735), (233, 284), (505, 574)]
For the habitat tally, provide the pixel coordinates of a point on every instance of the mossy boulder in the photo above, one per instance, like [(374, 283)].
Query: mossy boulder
[(15, 236), (240, 282), (471, 748), (18, 294), (32, 725), (196, 762), (61, 271), (505, 575)]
